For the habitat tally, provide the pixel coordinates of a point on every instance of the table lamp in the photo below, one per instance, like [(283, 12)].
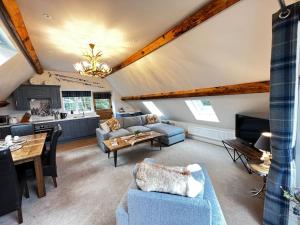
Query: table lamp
[(263, 144)]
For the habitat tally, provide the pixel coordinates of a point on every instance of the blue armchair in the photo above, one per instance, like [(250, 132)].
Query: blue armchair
[(154, 208)]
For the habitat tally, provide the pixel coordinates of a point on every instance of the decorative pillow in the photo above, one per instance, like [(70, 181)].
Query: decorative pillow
[(152, 118), (113, 124), (174, 180), (105, 127)]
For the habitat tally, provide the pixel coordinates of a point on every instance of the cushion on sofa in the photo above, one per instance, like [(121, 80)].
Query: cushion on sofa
[(132, 121), (144, 119), (113, 124), (119, 133), (136, 128), (166, 129), (152, 118)]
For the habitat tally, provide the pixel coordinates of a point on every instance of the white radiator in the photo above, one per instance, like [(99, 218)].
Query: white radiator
[(212, 135)]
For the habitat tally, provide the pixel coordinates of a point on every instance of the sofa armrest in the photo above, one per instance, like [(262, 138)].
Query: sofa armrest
[(150, 208), (102, 136)]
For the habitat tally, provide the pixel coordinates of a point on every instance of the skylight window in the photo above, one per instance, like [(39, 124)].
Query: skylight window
[(152, 108), (7, 50), (202, 110)]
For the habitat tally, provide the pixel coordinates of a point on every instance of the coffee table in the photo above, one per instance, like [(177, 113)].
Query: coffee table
[(116, 144)]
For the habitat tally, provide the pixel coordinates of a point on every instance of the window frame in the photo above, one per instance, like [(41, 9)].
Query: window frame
[(198, 113), (153, 108), (77, 108)]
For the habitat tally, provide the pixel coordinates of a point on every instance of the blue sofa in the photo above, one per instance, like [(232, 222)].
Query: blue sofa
[(129, 125), (153, 208)]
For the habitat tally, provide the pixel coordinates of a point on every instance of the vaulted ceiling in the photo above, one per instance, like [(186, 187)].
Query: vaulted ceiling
[(118, 28)]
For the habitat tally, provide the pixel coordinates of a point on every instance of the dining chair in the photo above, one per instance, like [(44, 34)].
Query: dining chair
[(22, 130), (12, 186), (49, 156)]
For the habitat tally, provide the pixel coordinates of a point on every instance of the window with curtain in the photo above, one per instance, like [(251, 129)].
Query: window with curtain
[(102, 100), (77, 101)]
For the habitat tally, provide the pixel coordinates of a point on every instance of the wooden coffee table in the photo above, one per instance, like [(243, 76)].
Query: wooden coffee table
[(116, 144)]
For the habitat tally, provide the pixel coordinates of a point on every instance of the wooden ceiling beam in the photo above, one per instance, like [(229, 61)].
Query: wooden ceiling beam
[(236, 89), (3, 103), (14, 21), (204, 13)]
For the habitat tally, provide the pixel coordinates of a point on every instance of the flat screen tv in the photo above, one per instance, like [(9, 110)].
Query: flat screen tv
[(249, 128)]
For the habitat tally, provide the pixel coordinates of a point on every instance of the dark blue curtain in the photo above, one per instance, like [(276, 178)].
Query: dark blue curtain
[(283, 116)]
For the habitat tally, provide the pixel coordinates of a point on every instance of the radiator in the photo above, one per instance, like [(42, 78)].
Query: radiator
[(212, 135)]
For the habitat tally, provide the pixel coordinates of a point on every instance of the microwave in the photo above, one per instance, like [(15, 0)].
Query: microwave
[(4, 119)]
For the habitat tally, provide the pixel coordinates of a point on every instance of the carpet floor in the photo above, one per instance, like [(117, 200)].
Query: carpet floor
[(90, 188)]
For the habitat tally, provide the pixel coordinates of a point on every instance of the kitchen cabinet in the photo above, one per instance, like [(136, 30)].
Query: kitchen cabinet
[(24, 93), (4, 131), (75, 128)]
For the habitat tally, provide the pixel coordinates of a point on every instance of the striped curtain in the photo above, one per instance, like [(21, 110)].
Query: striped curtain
[(283, 116)]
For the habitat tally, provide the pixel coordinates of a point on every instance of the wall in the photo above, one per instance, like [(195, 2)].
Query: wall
[(70, 82), (230, 48)]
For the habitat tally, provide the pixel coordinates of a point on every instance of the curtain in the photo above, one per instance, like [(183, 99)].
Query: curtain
[(102, 95), (76, 94), (283, 116)]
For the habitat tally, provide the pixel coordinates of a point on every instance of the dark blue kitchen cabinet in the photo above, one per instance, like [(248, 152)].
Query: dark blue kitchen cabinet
[(4, 131), (24, 93), (76, 128)]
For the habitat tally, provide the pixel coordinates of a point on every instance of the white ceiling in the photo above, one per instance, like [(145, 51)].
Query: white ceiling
[(119, 28)]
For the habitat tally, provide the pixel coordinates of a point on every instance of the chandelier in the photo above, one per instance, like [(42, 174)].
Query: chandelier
[(92, 65)]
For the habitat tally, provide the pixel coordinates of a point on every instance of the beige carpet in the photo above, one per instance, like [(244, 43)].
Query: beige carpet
[(89, 187)]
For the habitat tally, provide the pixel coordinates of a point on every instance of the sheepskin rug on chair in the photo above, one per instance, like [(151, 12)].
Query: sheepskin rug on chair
[(173, 180)]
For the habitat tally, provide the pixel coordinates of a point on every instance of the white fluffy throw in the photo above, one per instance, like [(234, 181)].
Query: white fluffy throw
[(174, 180)]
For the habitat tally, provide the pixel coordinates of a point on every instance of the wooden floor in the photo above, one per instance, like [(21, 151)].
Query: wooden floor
[(77, 144)]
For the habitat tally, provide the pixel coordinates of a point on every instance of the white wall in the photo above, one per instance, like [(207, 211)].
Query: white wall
[(49, 78), (232, 47)]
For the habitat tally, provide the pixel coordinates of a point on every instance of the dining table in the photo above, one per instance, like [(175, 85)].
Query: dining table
[(31, 151)]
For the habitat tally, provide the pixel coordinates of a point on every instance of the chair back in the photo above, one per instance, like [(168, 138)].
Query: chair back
[(22, 130), (9, 184), (57, 131)]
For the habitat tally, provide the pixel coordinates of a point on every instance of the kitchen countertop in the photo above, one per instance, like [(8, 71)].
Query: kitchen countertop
[(53, 120)]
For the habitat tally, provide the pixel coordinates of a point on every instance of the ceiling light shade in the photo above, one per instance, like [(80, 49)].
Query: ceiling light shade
[(263, 143), (92, 65)]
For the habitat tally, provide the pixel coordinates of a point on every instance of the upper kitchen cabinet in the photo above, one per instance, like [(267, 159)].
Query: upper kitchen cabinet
[(25, 93)]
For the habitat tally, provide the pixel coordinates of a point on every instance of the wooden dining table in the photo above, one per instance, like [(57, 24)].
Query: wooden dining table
[(31, 151)]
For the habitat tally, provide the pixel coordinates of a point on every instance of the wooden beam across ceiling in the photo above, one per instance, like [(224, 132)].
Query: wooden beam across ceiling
[(204, 13), (236, 89), (14, 20)]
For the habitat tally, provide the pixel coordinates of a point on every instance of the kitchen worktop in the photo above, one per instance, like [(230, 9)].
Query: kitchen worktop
[(51, 119)]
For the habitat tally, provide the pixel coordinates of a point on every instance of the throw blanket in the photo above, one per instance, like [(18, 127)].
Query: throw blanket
[(174, 180)]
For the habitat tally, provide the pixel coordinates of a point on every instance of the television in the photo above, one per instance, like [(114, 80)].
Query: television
[(249, 129)]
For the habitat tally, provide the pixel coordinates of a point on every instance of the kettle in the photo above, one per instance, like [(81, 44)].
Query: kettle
[(63, 115)]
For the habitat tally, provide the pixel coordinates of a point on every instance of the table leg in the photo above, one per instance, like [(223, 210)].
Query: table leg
[(115, 157), (108, 154), (39, 177)]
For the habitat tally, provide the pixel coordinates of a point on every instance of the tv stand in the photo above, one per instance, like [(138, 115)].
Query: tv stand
[(242, 151)]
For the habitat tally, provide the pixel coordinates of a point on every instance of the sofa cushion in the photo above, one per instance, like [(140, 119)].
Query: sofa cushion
[(113, 124), (168, 130), (136, 128), (119, 133), (152, 118), (144, 119), (132, 121)]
